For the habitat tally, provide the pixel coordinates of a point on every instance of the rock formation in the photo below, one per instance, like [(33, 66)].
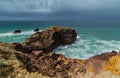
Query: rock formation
[(36, 55), (17, 31), (51, 64), (49, 39), (36, 29)]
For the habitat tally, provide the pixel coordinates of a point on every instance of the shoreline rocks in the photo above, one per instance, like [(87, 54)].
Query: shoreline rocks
[(35, 55), (49, 39), (36, 29), (53, 65)]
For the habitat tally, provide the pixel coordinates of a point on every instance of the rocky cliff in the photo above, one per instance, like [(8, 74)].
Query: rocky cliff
[(35, 57), (48, 39)]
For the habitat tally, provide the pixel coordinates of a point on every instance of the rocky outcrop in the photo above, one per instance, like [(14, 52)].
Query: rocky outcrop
[(11, 67), (36, 29), (53, 65), (35, 55), (17, 31), (48, 39), (98, 62)]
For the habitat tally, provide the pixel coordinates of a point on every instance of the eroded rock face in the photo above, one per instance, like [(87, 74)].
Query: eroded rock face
[(36, 55), (50, 39), (98, 62), (53, 65)]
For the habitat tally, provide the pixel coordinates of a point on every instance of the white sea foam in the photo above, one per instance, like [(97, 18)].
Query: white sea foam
[(85, 48), (6, 34), (12, 34)]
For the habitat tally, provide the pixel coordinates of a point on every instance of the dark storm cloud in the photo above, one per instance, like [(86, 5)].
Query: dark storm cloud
[(45, 8)]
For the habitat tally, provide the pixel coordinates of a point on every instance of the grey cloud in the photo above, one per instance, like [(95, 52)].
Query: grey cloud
[(52, 8), (56, 5)]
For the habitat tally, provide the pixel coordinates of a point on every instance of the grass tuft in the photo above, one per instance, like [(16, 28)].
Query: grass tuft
[(2, 64)]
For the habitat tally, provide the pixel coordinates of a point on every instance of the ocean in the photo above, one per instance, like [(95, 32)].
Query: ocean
[(92, 37)]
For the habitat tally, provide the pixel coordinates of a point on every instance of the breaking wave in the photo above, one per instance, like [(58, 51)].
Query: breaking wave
[(12, 34), (85, 48), (11, 37)]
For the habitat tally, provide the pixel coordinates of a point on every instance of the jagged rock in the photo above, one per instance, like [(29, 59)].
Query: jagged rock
[(38, 56), (17, 31), (50, 39), (51, 64)]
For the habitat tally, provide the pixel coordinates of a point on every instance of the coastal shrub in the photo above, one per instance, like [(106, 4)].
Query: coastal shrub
[(53, 26), (2, 64)]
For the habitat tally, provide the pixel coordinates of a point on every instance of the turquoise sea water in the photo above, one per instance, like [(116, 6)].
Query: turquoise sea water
[(93, 37)]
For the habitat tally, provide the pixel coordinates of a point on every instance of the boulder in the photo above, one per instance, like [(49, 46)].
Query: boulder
[(36, 29), (50, 39), (17, 31)]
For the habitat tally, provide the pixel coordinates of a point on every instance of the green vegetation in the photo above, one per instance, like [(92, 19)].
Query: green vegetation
[(53, 26), (58, 26), (2, 64)]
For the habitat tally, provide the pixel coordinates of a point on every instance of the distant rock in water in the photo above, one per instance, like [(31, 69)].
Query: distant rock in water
[(17, 31), (50, 39), (36, 29)]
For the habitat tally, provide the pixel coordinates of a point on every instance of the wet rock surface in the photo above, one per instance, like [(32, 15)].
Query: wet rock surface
[(36, 29), (17, 31)]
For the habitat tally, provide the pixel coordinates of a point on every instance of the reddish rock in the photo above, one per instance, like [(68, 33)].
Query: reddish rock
[(51, 64), (50, 39), (36, 54)]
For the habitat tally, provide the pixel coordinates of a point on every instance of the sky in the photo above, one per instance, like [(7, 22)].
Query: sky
[(59, 9)]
